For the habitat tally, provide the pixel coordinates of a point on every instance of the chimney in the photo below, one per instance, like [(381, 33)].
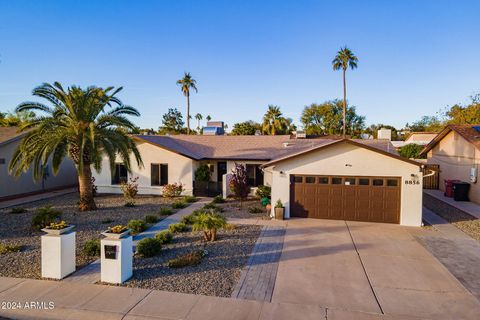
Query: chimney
[(384, 134)]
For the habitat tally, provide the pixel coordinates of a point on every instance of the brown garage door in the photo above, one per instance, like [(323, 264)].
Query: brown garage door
[(375, 199)]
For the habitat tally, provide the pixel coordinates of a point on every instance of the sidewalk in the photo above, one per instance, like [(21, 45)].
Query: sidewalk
[(470, 208), (91, 273), (35, 197)]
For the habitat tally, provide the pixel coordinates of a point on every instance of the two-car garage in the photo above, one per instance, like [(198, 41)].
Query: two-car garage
[(349, 180)]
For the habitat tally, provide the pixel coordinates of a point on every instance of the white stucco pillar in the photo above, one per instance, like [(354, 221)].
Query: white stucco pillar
[(58, 255), (116, 259)]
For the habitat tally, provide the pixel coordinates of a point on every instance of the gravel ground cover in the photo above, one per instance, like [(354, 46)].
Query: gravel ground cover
[(465, 222), (234, 209), (216, 275), (15, 228)]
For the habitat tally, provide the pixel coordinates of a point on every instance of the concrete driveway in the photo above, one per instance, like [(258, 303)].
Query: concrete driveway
[(368, 269)]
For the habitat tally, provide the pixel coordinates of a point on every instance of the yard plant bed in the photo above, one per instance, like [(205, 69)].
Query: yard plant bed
[(217, 273), (234, 209), (15, 228)]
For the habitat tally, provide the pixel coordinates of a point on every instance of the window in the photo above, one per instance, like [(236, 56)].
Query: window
[(377, 182), (2, 160), (159, 174), (349, 181), (120, 174), (392, 182), (364, 181), (298, 179), (309, 179), (254, 175), (323, 180), (336, 180)]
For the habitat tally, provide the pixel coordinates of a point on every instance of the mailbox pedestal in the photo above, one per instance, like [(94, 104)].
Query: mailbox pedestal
[(116, 259)]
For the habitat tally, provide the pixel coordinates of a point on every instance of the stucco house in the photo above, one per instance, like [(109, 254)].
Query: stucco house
[(363, 180), (12, 187), (456, 149)]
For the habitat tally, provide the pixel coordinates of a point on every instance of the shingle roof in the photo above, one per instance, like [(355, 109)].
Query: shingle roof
[(7, 133), (467, 131), (245, 147)]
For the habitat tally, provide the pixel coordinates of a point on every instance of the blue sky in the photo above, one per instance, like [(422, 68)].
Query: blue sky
[(415, 57)]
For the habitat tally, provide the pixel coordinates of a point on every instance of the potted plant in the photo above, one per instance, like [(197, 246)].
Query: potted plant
[(279, 210), (58, 228), (116, 232)]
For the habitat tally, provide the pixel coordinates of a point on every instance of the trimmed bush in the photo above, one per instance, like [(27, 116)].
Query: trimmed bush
[(149, 247), (6, 248), (218, 199), (189, 259), (191, 217), (190, 199), (44, 217), (18, 210), (92, 248), (172, 190), (164, 236), (179, 205), (264, 192), (151, 218), (255, 210), (178, 227), (164, 211), (136, 226)]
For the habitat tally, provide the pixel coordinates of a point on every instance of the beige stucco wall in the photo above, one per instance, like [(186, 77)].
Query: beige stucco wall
[(361, 162), (11, 186), (180, 169), (456, 157)]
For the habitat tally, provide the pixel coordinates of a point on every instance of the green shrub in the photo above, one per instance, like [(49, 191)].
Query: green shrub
[(254, 209), (92, 248), (189, 259), (213, 207), (190, 199), (178, 227), (264, 192), (218, 199), (6, 248), (18, 210), (149, 247), (164, 236), (172, 190), (107, 221), (209, 223), (179, 205), (191, 217), (151, 218), (229, 227), (203, 173), (44, 217), (164, 211), (136, 226)]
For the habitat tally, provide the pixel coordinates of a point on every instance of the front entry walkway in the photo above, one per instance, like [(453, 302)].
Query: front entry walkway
[(367, 267)]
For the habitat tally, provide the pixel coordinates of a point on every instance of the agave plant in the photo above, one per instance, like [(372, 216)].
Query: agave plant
[(77, 125)]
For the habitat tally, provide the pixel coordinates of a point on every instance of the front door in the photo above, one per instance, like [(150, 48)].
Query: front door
[(221, 170)]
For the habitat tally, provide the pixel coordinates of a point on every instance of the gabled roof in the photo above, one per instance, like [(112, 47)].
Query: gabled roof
[(422, 137), (467, 131), (358, 143), (9, 133), (264, 148)]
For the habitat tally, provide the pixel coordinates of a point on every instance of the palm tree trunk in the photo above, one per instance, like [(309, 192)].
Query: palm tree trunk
[(87, 203), (188, 114), (344, 105)]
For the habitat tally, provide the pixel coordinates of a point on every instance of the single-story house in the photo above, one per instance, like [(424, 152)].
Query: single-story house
[(13, 187), (362, 180), (456, 149)]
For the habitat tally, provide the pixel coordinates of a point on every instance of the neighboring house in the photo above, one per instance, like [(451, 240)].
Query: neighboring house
[(420, 138), (362, 180), (12, 187), (456, 149)]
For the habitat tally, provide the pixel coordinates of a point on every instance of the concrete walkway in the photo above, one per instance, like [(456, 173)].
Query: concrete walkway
[(91, 272), (470, 208), (375, 268), (456, 250), (35, 197)]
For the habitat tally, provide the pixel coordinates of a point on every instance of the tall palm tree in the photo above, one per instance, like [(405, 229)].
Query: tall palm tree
[(187, 83), (345, 58), (77, 125), (273, 121), (199, 118)]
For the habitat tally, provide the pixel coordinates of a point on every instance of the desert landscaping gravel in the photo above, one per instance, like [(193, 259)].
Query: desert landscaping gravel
[(15, 228), (216, 275), (235, 209)]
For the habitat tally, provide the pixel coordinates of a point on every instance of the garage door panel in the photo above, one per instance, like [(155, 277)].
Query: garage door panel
[(375, 199)]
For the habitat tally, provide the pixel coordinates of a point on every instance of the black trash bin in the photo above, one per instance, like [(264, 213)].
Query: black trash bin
[(460, 191)]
